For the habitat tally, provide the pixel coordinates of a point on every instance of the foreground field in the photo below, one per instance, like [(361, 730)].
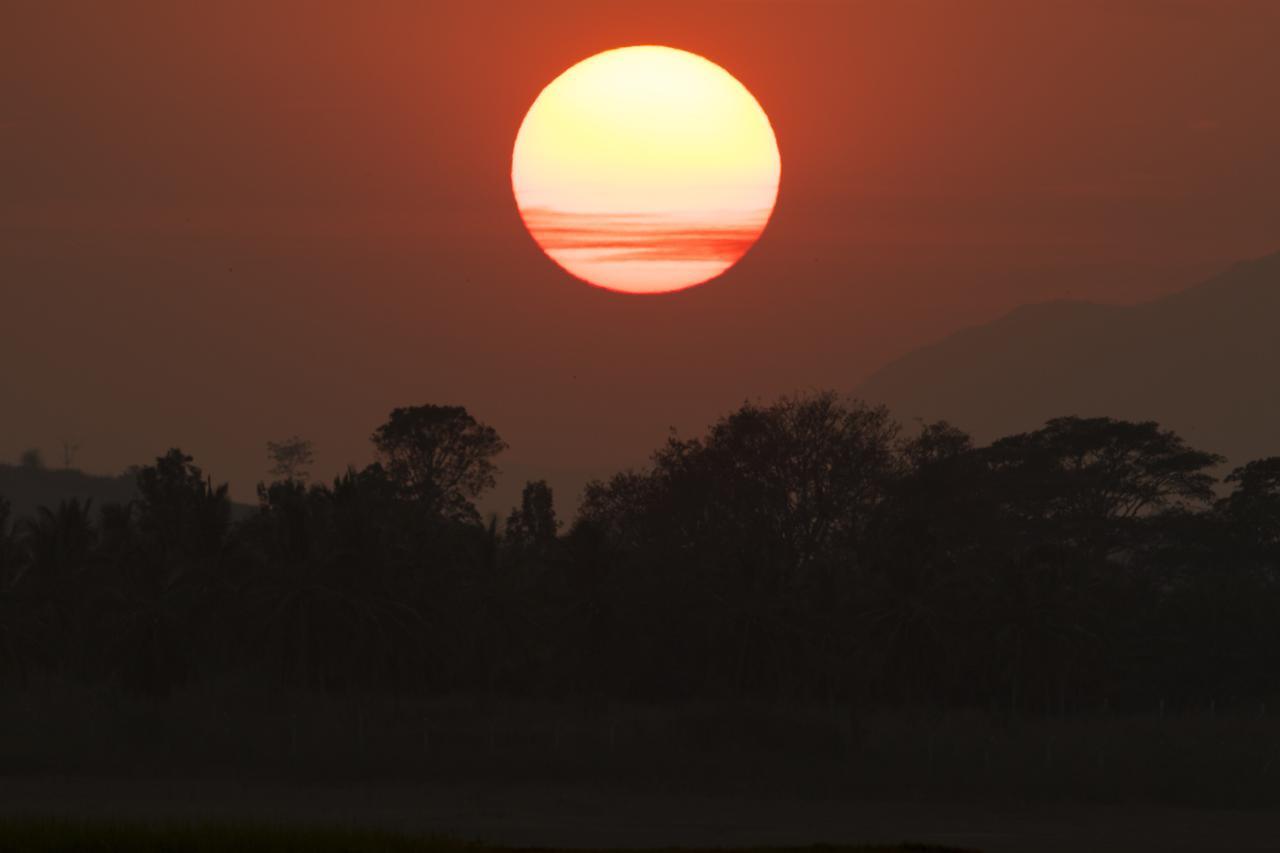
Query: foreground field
[(1189, 758), (593, 817), (46, 835), (526, 774)]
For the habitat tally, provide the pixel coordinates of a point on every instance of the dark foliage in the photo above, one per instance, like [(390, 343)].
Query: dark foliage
[(803, 551)]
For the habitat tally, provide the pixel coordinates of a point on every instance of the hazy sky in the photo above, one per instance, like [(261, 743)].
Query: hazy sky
[(222, 223)]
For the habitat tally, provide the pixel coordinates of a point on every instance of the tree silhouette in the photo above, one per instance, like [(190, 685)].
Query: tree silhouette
[(439, 457), (178, 508), (19, 621), (9, 553), (291, 458), (183, 522), (1093, 480), (323, 609), (533, 525), (58, 542), (802, 550), (1253, 508)]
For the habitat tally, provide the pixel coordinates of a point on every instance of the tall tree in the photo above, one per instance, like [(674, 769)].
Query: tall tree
[(1254, 505), (59, 541), (532, 526), (179, 508), (9, 554), (291, 459), (1090, 482), (439, 457), (20, 621), (791, 483)]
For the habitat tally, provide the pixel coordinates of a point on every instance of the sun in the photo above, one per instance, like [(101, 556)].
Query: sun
[(645, 169)]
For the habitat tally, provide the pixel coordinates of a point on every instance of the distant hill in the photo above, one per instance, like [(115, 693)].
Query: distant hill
[(28, 488), (1205, 362)]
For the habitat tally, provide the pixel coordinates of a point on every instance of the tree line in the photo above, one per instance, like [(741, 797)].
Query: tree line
[(809, 550)]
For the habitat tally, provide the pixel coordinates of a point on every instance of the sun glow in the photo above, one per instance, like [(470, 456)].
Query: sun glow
[(645, 170)]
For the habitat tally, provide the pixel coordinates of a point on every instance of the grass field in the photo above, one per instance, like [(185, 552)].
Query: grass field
[(37, 835), (1201, 758)]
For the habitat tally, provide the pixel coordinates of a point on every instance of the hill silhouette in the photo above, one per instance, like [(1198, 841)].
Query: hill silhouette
[(28, 488), (1199, 361)]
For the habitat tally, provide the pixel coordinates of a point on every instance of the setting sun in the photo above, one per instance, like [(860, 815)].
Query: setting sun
[(645, 170)]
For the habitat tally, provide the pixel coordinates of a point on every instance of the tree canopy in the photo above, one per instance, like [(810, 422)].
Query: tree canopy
[(806, 549), (440, 457)]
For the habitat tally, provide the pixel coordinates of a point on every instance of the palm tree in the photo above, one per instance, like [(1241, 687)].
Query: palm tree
[(19, 647), (58, 545), (58, 542)]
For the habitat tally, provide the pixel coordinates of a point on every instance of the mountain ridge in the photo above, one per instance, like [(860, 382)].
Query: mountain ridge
[(1179, 359)]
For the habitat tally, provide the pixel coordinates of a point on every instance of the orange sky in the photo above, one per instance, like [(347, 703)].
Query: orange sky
[(233, 222)]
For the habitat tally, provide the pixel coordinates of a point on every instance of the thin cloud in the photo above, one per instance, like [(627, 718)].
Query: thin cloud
[(628, 237)]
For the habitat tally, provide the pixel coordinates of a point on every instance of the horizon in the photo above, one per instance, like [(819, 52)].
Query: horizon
[(510, 480)]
